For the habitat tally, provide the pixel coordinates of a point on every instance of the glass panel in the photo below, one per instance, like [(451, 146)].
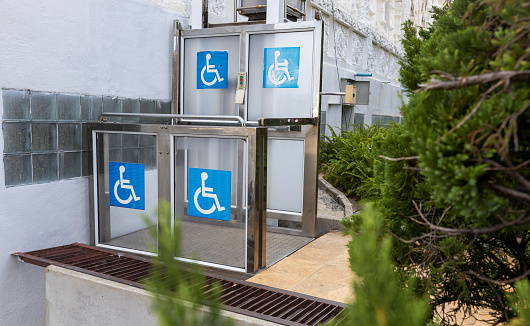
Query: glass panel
[(131, 197), (17, 169), (43, 137), (16, 137), (68, 107), (271, 92), (43, 106), (44, 167), (213, 209), (69, 136), (216, 100), (285, 175), (69, 165), (16, 104)]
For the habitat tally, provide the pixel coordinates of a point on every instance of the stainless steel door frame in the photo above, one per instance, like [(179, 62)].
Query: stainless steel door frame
[(255, 171), (309, 133)]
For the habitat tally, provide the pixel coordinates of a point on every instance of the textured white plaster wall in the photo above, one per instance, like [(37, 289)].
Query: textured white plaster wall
[(100, 47)]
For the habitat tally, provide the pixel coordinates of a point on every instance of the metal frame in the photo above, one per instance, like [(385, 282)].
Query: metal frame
[(255, 169), (244, 32), (294, 128)]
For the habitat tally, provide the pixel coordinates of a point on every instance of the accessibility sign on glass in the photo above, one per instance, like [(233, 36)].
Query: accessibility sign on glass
[(281, 67), (212, 69), (127, 181), (209, 193)]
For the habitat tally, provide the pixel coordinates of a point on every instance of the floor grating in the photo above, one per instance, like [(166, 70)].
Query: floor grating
[(283, 307)]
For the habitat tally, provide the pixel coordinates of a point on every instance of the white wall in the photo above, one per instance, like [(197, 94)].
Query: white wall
[(74, 298), (99, 47)]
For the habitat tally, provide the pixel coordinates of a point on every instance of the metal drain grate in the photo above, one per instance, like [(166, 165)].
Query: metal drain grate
[(242, 297)]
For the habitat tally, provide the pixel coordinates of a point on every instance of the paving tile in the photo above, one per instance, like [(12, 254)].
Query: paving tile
[(280, 280), (342, 259), (324, 290), (295, 266), (316, 254), (341, 275)]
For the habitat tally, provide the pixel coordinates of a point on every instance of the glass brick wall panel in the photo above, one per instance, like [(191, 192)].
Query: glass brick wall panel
[(129, 141), (91, 107), (147, 141), (44, 167), (115, 141), (163, 107), (130, 105), (147, 106), (147, 157), (113, 105), (43, 106), (85, 137), (130, 155), (16, 137), (17, 169), (69, 136), (68, 107), (86, 163), (69, 165), (46, 136), (43, 137), (16, 104), (115, 155)]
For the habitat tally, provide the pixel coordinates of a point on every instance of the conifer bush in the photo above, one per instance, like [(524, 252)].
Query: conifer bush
[(453, 183)]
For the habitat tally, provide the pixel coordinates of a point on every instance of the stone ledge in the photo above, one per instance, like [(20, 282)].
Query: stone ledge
[(337, 195)]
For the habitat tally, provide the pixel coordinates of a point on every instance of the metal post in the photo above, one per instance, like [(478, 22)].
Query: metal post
[(175, 103), (256, 202), (275, 11), (163, 140), (204, 13)]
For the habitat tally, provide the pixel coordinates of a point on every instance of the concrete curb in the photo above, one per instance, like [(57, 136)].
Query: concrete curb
[(337, 195)]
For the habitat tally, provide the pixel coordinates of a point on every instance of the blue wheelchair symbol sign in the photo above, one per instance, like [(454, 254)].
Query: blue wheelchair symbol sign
[(209, 193), (212, 69), (281, 67), (127, 182)]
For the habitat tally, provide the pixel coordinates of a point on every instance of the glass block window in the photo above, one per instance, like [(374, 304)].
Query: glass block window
[(383, 120), (358, 119), (46, 137)]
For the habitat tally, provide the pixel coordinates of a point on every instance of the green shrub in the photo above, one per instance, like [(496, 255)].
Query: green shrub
[(349, 160), (380, 297), (180, 291)]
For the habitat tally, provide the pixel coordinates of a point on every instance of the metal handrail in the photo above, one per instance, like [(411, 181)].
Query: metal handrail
[(276, 122), (176, 117)]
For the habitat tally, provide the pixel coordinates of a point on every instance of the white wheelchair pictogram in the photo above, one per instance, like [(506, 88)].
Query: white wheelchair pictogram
[(210, 68), (278, 69), (206, 192), (124, 184)]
